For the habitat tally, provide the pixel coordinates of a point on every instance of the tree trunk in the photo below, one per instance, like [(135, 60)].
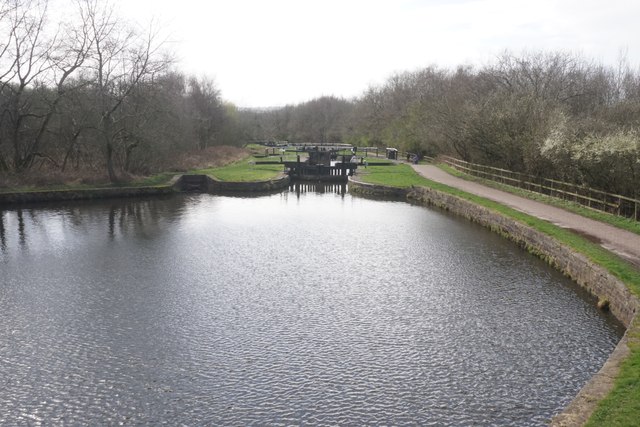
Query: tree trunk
[(107, 133), (110, 169), (3, 164), (128, 155)]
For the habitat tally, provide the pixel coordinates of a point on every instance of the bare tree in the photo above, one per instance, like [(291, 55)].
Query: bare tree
[(37, 69), (120, 61), (206, 110), (25, 59)]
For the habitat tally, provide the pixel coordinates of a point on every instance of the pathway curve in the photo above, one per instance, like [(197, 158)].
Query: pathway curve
[(621, 242)]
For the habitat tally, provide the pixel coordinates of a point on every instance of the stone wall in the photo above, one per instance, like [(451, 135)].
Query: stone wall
[(176, 184), (598, 281), (94, 193), (359, 187), (279, 183)]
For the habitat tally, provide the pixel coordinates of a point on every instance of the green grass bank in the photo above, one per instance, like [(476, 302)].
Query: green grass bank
[(245, 170)]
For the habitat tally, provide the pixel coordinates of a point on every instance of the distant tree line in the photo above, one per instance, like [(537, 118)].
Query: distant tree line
[(322, 120), (548, 114), (95, 93)]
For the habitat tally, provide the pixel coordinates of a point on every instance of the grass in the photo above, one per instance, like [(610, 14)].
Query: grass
[(255, 147), (622, 406), (398, 175), (243, 171), (151, 181), (58, 187), (615, 220), (154, 180), (287, 157)]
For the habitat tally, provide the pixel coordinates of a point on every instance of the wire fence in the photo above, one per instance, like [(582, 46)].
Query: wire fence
[(592, 198)]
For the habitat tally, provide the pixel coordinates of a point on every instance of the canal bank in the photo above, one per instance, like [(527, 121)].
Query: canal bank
[(209, 184), (598, 280), (179, 183), (43, 196)]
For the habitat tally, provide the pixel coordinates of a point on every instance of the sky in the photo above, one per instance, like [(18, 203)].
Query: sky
[(276, 52)]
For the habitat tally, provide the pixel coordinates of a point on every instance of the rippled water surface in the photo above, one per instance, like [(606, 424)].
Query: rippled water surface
[(283, 309)]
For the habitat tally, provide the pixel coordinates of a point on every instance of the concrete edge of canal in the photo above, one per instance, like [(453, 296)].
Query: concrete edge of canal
[(179, 183), (17, 198), (594, 278)]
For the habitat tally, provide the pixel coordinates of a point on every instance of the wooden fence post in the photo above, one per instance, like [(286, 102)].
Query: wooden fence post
[(618, 207), (612, 203)]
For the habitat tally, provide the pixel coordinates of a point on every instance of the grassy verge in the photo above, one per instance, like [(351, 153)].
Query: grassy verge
[(287, 157), (622, 406), (616, 221), (240, 171), (154, 180), (150, 181), (59, 187), (243, 171), (398, 175)]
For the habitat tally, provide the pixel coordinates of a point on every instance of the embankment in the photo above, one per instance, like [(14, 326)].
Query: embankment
[(595, 278), (179, 183), (209, 184), (17, 198), (279, 183)]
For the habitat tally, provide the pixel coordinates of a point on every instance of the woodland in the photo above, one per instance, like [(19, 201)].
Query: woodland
[(96, 98)]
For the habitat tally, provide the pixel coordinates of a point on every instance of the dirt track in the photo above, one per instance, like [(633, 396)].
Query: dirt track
[(621, 242)]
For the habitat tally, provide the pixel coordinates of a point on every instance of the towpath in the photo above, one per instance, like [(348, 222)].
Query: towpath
[(621, 242)]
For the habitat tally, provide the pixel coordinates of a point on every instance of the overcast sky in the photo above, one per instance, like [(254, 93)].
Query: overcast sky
[(277, 52)]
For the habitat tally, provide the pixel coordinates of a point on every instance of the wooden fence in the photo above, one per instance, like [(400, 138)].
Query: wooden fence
[(595, 199)]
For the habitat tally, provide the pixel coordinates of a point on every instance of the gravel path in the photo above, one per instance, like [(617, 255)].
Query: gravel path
[(621, 242)]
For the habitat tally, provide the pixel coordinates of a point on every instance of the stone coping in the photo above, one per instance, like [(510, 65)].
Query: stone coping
[(594, 278)]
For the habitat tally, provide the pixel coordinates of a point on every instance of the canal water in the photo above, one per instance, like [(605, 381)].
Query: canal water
[(294, 308)]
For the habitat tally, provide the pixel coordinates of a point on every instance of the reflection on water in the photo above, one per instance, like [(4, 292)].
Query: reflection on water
[(124, 217), (302, 187), (304, 307), (3, 238)]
